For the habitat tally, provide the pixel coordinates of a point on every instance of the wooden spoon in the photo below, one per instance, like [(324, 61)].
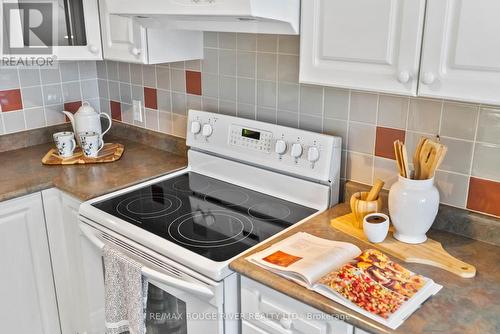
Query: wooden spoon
[(416, 158)]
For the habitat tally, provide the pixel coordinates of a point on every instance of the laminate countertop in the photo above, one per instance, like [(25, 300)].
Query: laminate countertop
[(22, 172), (462, 306)]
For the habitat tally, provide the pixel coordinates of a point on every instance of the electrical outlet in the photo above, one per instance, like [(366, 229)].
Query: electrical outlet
[(137, 109)]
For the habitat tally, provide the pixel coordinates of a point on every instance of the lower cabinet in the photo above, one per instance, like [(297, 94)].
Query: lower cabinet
[(28, 299), (80, 295), (270, 312)]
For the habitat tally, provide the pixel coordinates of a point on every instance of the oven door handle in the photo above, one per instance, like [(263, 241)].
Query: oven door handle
[(196, 289)]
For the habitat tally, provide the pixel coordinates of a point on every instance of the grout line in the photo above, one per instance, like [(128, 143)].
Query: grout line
[(22, 101), (375, 139)]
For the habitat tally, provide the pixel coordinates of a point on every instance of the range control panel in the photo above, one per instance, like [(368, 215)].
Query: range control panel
[(307, 154)]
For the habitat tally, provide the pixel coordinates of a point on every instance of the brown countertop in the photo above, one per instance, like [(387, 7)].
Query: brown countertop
[(462, 306), (22, 172)]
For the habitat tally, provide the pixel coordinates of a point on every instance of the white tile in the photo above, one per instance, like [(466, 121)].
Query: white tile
[(69, 71), (247, 42), (35, 117), (1, 124), (359, 167), (266, 115), (227, 88), (311, 100), (193, 102), (288, 96), (179, 103), (178, 83), (336, 127), (210, 63), (288, 68), (210, 39), (489, 125), (393, 111), (363, 107), (487, 161), (227, 40), (29, 77), (287, 118), (210, 104), (246, 110), (124, 72), (336, 103), (459, 156), (54, 114), (163, 78), (266, 94), (310, 123), (267, 43), (88, 70), (246, 91), (289, 44), (32, 96), (424, 116), (151, 119), (164, 100), (179, 125), (227, 62), (50, 76), (459, 120), (90, 89), (452, 188), (386, 170), (14, 121), (71, 91), (52, 94), (125, 93), (165, 122), (266, 66), (361, 138)]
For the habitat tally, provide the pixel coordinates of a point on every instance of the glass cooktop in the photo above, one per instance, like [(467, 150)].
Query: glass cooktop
[(215, 219)]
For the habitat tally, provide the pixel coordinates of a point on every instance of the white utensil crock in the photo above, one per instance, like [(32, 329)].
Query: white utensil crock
[(413, 206)]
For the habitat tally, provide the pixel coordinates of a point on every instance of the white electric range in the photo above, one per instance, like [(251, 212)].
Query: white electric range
[(246, 181)]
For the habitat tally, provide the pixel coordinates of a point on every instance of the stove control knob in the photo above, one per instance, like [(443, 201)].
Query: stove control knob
[(207, 130), (296, 150), (280, 147), (195, 127), (313, 154)]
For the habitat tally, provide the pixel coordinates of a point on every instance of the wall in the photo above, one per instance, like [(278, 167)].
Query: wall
[(33, 98), (256, 76)]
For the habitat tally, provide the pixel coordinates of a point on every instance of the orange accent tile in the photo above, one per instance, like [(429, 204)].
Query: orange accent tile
[(484, 196), (150, 99), (384, 142), (10, 100), (193, 82), (116, 110)]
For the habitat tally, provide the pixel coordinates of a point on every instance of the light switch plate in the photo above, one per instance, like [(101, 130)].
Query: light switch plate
[(137, 109)]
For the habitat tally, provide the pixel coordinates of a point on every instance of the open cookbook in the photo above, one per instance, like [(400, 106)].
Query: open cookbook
[(367, 282)]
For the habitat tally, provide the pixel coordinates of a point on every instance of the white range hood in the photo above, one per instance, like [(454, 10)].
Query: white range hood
[(253, 16)]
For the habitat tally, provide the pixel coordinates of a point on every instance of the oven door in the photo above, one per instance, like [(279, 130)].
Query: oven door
[(177, 303)]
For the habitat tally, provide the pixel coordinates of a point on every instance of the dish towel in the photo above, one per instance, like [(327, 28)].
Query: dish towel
[(126, 292)]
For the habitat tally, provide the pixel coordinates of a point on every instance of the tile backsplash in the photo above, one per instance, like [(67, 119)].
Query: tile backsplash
[(256, 76), (32, 98)]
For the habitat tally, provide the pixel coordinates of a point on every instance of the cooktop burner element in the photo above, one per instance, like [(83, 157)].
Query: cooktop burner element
[(210, 217)]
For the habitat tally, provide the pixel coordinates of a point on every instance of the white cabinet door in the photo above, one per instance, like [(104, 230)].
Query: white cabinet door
[(461, 51), (123, 39), (75, 294), (362, 44), (28, 301)]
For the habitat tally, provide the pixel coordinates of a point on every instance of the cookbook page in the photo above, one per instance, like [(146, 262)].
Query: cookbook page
[(374, 283), (305, 256)]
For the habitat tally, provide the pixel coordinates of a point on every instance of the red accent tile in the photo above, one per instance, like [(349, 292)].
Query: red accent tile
[(150, 99), (11, 100), (72, 107), (193, 82), (116, 110), (484, 196), (384, 142)]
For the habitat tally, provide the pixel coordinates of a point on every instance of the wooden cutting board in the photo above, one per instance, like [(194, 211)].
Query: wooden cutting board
[(430, 252), (110, 152)]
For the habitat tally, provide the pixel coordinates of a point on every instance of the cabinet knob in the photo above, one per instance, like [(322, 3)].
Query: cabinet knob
[(428, 78), (286, 323), (136, 51), (94, 49), (404, 77)]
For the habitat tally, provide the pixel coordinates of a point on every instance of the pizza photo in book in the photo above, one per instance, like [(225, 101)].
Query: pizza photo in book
[(365, 281)]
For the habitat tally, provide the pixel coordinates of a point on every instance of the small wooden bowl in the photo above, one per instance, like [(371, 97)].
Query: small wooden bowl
[(360, 208)]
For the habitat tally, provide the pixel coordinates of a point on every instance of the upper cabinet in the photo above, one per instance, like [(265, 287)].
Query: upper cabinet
[(362, 44), (124, 39), (67, 29), (461, 51)]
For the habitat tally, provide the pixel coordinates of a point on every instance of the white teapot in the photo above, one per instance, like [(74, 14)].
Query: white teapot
[(86, 119)]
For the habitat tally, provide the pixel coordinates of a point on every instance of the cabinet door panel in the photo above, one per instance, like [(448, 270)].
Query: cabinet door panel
[(28, 303), (461, 51), (123, 39), (362, 44)]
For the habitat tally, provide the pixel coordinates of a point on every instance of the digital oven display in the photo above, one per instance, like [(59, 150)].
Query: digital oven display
[(250, 134)]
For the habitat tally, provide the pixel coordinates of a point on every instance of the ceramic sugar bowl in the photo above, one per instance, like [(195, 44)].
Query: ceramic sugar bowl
[(413, 206)]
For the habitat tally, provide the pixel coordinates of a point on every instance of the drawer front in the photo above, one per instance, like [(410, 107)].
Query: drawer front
[(277, 313)]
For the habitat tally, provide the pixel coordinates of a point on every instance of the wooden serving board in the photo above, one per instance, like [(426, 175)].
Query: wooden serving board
[(110, 152), (430, 252)]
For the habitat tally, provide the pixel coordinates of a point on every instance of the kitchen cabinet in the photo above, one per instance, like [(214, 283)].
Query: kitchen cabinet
[(77, 294), (461, 51), (124, 39), (28, 300), (275, 313), (362, 44), (75, 24)]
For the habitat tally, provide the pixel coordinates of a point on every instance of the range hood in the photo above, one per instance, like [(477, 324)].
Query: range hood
[(252, 16)]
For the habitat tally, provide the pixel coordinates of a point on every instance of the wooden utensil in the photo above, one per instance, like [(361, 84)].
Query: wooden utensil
[(404, 154), (375, 190), (416, 158), (398, 157), (431, 156)]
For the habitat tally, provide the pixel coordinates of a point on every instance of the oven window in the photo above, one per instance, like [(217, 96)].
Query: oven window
[(165, 313)]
